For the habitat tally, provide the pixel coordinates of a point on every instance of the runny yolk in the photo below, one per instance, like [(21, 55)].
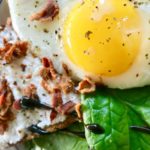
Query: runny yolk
[(103, 36)]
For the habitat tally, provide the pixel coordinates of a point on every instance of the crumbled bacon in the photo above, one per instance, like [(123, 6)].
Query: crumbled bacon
[(86, 86), (3, 128), (66, 108), (57, 97), (66, 84), (2, 98), (11, 51), (29, 76), (30, 91), (6, 101), (45, 85), (66, 69), (62, 84), (23, 67), (48, 71), (45, 62), (17, 105), (45, 73), (48, 13), (53, 115), (52, 70)]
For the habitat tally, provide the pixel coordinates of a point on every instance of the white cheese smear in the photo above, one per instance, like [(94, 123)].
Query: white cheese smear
[(13, 73)]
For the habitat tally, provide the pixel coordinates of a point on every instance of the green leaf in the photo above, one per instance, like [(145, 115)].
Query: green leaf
[(60, 140), (116, 111)]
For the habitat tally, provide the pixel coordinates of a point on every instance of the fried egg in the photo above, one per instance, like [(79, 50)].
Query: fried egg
[(106, 40)]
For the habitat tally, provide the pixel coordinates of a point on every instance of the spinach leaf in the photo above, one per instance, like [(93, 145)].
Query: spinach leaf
[(116, 111), (61, 140)]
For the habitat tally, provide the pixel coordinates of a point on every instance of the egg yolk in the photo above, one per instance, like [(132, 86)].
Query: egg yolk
[(103, 36)]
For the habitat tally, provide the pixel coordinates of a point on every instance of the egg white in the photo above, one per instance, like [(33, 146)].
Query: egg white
[(136, 76)]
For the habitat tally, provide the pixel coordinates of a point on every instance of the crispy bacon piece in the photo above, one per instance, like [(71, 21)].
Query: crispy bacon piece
[(2, 99), (52, 70), (6, 102), (66, 84), (48, 13), (11, 51), (53, 115), (57, 98), (45, 73), (30, 91), (86, 86), (66, 108), (66, 69), (45, 62), (45, 85), (48, 71), (3, 128), (17, 105)]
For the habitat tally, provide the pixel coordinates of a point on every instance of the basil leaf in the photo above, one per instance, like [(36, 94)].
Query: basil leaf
[(116, 111), (62, 140)]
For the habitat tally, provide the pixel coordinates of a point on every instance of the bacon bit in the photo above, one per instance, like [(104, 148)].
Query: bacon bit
[(23, 67), (57, 97), (6, 101), (10, 51), (52, 70), (21, 48), (3, 128), (45, 62), (29, 76), (53, 115), (4, 89), (48, 13), (45, 85), (5, 41), (66, 69), (2, 99), (30, 91), (66, 84), (45, 73), (86, 86), (9, 54), (16, 105), (78, 110), (9, 116), (48, 72), (66, 108)]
